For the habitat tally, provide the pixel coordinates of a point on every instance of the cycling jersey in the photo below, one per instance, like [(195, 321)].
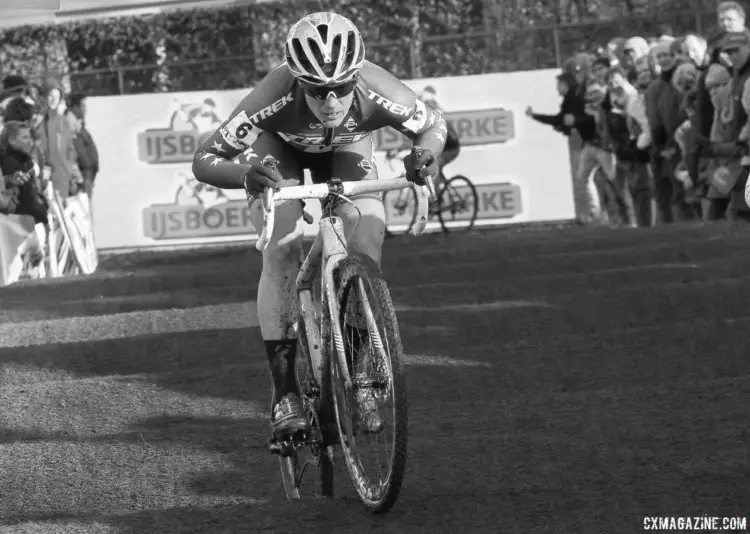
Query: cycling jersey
[(277, 106)]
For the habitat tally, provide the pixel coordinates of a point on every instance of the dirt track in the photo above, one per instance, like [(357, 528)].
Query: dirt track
[(560, 381)]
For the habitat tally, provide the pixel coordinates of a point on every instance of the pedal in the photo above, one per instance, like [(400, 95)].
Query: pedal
[(287, 447)]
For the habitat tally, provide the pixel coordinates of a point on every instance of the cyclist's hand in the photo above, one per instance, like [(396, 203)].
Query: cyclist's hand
[(420, 166), (258, 177)]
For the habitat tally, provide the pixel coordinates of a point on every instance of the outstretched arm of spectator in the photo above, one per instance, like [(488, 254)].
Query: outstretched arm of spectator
[(556, 121), (551, 120)]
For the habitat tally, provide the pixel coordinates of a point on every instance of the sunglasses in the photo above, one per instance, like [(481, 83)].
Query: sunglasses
[(321, 92)]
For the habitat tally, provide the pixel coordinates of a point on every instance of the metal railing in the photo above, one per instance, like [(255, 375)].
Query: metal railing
[(501, 50)]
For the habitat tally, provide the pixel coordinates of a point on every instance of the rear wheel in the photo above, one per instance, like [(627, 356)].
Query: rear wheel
[(458, 205), (376, 459)]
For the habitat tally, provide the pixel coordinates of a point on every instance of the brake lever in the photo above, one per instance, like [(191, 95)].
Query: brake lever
[(268, 206)]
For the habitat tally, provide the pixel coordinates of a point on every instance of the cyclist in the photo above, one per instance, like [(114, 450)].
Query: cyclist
[(315, 111), (452, 142)]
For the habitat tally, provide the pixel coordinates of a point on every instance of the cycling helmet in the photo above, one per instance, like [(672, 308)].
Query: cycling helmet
[(324, 49)]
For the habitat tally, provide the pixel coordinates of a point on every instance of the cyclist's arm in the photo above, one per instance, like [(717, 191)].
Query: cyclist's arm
[(219, 160), (430, 132), (213, 161), (399, 107)]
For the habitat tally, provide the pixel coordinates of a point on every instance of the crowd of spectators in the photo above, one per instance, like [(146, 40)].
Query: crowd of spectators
[(665, 120), (43, 140)]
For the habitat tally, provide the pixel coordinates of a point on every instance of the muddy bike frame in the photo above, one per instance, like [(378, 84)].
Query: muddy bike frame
[(329, 249)]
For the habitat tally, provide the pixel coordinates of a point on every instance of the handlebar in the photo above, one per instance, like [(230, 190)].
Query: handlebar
[(336, 187), (302, 192)]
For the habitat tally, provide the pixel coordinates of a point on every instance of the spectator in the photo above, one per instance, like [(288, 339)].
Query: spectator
[(572, 104), (599, 69), (84, 155), (21, 200), (571, 85), (699, 53), (731, 17), (59, 151), (737, 49), (644, 73), (634, 49), (632, 155), (21, 172), (666, 114), (599, 151), (685, 139), (720, 148)]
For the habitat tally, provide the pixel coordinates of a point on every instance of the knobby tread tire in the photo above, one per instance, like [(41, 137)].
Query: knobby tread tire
[(351, 268)]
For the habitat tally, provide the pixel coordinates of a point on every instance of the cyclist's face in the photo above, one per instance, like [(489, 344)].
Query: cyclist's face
[(332, 110)]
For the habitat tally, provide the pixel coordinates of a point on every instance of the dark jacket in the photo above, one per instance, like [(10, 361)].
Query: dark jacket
[(665, 111), (31, 200), (89, 163), (573, 103), (701, 121)]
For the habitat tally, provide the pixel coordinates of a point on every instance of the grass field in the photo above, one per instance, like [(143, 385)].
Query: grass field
[(570, 381)]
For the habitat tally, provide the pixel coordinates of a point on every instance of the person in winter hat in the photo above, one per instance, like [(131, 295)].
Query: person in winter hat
[(59, 147)]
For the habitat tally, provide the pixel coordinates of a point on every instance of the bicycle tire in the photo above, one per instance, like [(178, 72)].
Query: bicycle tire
[(449, 196), (351, 269), (401, 197)]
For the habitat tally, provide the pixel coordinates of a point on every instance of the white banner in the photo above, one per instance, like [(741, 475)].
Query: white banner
[(146, 194)]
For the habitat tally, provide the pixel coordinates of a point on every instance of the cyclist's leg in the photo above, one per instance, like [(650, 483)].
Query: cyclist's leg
[(354, 162), (446, 157), (277, 297)]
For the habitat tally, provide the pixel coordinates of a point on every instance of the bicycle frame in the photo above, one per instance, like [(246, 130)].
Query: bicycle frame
[(327, 251)]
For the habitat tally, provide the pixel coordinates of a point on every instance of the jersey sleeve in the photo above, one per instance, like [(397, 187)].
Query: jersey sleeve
[(220, 160), (398, 107)]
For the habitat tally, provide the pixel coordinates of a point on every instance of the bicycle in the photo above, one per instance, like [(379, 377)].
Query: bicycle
[(455, 209), (353, 294), (71, 249)]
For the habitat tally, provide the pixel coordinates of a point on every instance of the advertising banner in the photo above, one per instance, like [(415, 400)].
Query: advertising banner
[(146, 195)]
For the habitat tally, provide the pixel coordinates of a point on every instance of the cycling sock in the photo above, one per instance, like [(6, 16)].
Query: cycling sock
[(281, 354)]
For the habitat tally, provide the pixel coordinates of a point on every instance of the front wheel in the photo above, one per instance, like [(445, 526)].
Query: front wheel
[(372, 415), (458, 205)]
